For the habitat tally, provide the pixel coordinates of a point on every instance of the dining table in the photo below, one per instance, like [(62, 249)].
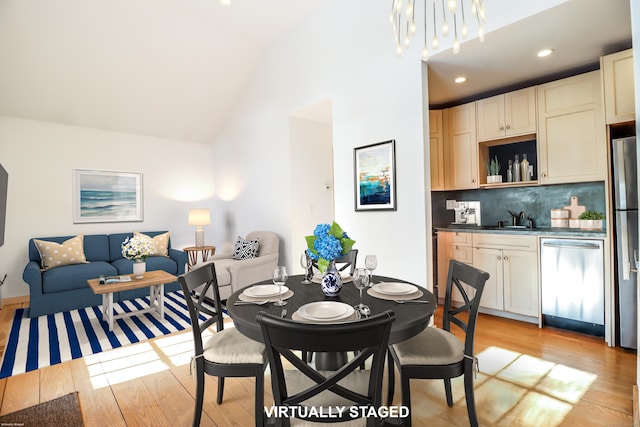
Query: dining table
[(411, 316)]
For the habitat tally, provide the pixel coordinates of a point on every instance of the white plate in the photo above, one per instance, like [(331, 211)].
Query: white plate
[(325, 310), (394, 288), (264, 291)]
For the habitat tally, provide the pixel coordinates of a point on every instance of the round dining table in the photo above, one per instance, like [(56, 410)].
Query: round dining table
[(410, 318)]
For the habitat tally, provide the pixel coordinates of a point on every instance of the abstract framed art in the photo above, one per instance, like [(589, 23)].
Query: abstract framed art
[(102, 196), (375, 176)]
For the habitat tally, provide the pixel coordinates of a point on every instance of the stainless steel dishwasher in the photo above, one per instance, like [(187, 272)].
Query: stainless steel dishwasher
[(572, 277)]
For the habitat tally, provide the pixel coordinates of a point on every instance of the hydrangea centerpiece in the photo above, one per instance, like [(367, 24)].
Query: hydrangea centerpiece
[(328, 243), (138, 248)]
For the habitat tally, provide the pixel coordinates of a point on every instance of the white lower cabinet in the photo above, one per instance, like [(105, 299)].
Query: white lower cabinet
[(512, 264)]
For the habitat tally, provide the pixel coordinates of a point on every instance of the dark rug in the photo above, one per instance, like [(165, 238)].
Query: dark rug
[(63, 411)]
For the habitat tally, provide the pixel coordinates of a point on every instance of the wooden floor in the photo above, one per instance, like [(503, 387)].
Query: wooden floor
[(529, 377)]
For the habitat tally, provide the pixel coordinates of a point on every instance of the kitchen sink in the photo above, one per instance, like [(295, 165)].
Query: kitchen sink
[(510, 227)]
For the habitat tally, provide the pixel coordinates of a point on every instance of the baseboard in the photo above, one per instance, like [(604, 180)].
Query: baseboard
[(23, 301), (636, 414)]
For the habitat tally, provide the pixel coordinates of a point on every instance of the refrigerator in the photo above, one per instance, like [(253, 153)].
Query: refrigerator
[(625, 198)]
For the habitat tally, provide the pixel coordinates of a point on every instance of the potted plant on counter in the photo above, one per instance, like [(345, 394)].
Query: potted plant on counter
[(493, 170), (591, 220)]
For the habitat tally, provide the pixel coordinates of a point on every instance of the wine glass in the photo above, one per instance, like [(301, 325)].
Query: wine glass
[(305, 262), (361, 280), (371, 262), (280, 278)]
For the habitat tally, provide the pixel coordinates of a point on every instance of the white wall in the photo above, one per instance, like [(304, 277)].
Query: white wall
[(346, 54), (40, 157)]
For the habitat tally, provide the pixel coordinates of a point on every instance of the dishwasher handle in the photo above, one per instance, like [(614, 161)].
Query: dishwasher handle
[(571, 245)]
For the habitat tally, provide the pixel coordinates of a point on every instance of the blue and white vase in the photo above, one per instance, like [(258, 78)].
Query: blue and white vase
[(331, 281)]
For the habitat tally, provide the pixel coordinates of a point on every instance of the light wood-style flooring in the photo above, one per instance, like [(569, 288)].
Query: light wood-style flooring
[(529, 377)]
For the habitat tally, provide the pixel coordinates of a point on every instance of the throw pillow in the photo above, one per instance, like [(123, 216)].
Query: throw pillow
[(161, 241), (245, 249), (54, 254)]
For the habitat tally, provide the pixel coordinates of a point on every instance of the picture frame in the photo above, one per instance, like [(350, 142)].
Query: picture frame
[(106, 196), (375, 176)]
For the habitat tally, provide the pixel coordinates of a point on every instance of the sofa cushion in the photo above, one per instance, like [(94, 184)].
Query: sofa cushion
[(245, 249), (54, 254), (96, 247), (70, 277), (161, 242)]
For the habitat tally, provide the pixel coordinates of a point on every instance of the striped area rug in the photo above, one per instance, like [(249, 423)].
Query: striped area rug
[(56, 338)]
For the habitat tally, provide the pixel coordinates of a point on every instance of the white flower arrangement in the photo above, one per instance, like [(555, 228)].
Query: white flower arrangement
[(138, 248)]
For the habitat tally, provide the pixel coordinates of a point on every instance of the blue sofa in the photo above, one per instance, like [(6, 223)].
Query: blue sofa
[(65, 288)]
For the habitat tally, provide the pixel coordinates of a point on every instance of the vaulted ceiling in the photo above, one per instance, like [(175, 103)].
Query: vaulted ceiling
[(178, 68)]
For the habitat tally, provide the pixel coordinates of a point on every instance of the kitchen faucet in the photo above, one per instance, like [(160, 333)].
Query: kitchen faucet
[(521, 218)]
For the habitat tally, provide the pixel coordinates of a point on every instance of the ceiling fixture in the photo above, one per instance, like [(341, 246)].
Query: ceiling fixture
[(456, 13), (545, 52), (225, 2), (460, 79)]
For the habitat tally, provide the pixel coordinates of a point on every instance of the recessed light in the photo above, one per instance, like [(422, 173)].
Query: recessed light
[(545, 52), (225, 2), (460, 79)]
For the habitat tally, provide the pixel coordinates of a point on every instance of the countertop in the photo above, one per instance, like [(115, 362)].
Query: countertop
[(544, 232)]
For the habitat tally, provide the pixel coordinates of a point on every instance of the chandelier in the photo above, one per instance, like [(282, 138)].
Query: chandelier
[(454, 14)]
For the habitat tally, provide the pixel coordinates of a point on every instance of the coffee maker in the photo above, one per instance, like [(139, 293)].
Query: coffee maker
[(467, 213)]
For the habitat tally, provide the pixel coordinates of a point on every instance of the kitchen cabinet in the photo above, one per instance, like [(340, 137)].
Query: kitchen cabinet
[(452, 245), (617, 80), (506, 115), (572, 144), (461, 148), (436, 149), (512, 264)]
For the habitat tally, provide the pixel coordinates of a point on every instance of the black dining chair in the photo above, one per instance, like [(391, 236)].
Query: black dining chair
[(343, 263), (227, 353), (304, 387), (437, 353)]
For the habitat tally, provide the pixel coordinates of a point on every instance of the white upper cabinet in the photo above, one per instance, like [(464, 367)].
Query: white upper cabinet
[(506, 115), (617, 77), (572, 143), (461, 148), (436, 149)]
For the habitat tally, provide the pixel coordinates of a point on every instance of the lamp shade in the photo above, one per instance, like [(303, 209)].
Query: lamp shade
[(199, 217)]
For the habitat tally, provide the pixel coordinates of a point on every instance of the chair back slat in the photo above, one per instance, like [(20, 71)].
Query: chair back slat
[(198, 305), (461, 274)]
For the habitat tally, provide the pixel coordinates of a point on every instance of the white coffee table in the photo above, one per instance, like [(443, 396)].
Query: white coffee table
[(154, 280)]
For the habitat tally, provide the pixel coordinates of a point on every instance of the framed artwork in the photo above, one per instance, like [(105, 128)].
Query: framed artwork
[(375, 176), (101, 196)]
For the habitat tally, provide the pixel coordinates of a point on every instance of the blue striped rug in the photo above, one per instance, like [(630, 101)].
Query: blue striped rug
[(56, 338)]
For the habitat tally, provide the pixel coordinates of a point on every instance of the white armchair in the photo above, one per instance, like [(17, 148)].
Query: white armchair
[(234, 274)]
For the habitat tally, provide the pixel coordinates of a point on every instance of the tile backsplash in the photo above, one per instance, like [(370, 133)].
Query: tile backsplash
[(535, 201)]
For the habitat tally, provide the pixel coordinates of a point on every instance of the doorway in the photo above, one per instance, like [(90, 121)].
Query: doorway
[(311, 174)]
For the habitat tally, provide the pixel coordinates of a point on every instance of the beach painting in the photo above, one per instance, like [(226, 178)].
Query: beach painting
[(375, 176), (101, 196)]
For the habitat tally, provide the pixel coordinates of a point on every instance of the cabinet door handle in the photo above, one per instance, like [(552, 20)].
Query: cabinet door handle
[(508, 127), (499, 258), (544, 174), (501, 127), (473, 180), (506, 258)]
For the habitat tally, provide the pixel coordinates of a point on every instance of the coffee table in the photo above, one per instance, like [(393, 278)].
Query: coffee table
[(154, 280)]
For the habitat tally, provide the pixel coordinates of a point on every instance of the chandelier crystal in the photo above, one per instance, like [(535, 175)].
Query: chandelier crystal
[(446, 16)]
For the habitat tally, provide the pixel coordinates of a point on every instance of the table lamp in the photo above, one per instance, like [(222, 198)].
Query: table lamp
[(199, 217)]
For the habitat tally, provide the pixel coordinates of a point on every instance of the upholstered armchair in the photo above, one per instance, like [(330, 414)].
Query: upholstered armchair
[(234, 274)]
